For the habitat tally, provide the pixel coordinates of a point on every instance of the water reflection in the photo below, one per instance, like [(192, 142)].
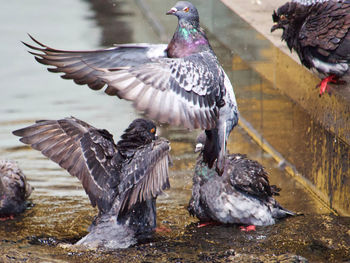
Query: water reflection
[(111, 18), (62, 211)]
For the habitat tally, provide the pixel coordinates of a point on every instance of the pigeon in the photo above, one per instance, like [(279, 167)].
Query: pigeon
[(181, 83), (318, 30), (242, 195), (14, 190), (123, 180)]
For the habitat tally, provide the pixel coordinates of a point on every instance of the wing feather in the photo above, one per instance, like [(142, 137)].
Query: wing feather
[(84, 151), (143, 74), (146, 176), (82, 65), (250, 177), (156, 83), (325, 27)]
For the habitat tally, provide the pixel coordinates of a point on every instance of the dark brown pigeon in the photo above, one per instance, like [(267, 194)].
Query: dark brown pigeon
[(181, 83), (318, 30), (123, 180)]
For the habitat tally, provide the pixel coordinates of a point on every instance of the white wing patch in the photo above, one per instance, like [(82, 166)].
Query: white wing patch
[(309, 2)]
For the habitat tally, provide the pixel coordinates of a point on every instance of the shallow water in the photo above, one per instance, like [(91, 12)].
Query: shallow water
[(61, 211)]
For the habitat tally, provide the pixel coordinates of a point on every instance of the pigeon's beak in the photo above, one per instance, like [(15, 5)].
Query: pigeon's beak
[(274, 27), (171, 11), (275, 19), (199, 147)]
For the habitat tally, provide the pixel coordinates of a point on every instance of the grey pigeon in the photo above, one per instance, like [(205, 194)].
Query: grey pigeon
[(123, 180), (14, 189), (181, 83), (318, 30), (242, 195)]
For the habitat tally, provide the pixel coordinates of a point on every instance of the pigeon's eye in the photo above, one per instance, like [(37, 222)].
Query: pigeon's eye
[(153, 130), (283, 17), (186, 9)]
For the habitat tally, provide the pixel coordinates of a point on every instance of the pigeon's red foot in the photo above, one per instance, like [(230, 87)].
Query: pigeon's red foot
[(209, 223), (247, 228), (4, 218), (162, 229), (324, 83)]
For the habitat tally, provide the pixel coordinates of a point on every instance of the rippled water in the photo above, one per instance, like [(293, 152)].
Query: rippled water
[(61, 211)]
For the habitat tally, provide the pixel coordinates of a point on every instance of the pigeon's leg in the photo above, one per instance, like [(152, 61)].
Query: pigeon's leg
[(4, 218), (247, 228), (208, 223), (324, 83), (162, 229)]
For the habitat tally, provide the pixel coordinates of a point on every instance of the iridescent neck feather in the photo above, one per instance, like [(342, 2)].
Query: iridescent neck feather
[(188, 39)]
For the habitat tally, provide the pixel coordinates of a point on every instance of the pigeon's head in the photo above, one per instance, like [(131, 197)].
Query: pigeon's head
[(144, 130), (185, 11), (140, 132), (282, 17), (289, 17)]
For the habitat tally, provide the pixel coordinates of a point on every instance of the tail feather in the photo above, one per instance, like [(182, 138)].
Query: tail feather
[(279, 212), (211, 148)]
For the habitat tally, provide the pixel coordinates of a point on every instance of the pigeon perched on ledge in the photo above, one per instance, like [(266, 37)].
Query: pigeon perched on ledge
[(123, 180), (318, 30), (242, 195), (181, 83), (14, 190)]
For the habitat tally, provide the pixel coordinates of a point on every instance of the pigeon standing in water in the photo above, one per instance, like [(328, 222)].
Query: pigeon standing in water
[(122, 179), (242, 195), (181, 83), (318, 30), (14, 190)]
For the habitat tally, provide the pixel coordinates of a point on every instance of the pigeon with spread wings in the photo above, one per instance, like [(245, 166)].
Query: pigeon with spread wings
[(181, 83), (123, 180), (319, 31)]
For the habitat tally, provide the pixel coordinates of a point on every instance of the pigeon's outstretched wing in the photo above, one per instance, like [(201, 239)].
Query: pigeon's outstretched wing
[(250, 177), (85, 67), (84, 151), (179, 91), (325, 27), (146, 175)]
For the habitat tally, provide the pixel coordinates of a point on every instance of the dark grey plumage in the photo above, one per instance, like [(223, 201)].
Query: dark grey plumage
[(14, 189), (319, 32), (181, 83), (122, 179), (242, 195)]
